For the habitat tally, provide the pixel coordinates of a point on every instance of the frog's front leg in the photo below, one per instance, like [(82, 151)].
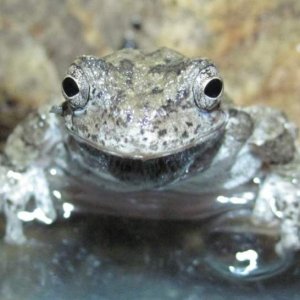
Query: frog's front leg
[(278, 201), (26, 154), (278, 206)]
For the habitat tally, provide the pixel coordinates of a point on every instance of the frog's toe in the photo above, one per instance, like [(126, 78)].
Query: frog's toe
[(14, 229), (290, 238), (15, 238), (236, 248)]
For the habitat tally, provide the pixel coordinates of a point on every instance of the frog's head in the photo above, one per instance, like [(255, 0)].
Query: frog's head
[(135, 105)]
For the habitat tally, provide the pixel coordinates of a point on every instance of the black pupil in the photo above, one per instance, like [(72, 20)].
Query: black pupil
[(70, 87), (214, 88)]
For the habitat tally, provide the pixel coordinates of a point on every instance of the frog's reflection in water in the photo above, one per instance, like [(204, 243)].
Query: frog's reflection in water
[(105, 256)]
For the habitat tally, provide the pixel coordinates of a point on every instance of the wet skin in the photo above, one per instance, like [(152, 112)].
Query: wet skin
[(151, 135)]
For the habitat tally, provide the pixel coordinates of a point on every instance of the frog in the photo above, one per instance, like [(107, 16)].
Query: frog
[(151, 135)]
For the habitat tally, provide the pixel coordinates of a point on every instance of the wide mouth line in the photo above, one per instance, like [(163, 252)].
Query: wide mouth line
[(152, 155)]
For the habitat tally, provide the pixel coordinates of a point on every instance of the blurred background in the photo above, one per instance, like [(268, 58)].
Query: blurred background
[(256, 45)]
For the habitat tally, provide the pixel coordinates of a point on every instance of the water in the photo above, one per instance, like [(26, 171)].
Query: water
[(142, 256), (238, 249), (93, 257)]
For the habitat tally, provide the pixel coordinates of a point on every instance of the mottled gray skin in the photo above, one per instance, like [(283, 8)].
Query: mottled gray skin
[(144, 110), (152, 136), (135, 102)]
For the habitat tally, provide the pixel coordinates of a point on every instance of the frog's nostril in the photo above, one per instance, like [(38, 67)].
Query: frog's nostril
[(213, 88), (70, 87)]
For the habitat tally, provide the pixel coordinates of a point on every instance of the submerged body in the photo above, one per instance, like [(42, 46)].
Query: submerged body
[(151, 136)]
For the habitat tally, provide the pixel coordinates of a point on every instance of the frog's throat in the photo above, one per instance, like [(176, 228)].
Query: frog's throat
[(153, 172)]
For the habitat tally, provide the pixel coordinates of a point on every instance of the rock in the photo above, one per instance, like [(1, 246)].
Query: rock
[(28, 78)]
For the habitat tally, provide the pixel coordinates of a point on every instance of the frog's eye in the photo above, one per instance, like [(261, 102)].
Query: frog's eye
[(208, 89), (213, 88), (75, 88), (70, 87)]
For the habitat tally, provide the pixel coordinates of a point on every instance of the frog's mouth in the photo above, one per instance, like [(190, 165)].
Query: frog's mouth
[(148, 170), (144, 173), (138, 150)]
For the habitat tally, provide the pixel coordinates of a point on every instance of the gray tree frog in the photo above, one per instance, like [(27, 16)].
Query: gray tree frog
[(151, 135)]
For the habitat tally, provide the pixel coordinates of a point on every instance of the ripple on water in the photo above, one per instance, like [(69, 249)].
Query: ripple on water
[(238, 249)]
